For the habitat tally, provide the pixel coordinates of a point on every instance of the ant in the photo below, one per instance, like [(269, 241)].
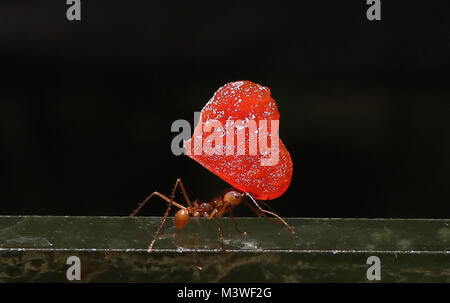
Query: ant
[(215, 208)]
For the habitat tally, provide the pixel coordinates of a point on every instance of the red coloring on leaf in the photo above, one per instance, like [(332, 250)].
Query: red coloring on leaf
[(243, 101)]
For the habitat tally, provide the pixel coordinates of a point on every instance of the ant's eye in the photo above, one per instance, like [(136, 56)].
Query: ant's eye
[(237, 196)]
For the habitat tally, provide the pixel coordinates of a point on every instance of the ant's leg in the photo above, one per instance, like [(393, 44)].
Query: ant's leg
[(220, 234), (234, 222), (166, 214), (218, 213), (255, 210), (260, 213), (183, 190), (271, 213), (165, 198), (148, 199), (226, 208), (267, 206), (212, 214)]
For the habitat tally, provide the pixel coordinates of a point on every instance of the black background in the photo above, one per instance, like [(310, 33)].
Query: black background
[(86, 107)]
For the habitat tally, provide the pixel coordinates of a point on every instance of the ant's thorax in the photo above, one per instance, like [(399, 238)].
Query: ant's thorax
[(204, 209)]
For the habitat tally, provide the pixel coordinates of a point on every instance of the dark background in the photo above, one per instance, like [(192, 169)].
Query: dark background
[(86, 107)]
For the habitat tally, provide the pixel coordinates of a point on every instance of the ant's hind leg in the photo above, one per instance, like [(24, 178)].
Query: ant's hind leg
[(166, 214), (183, 190), (141, 205)]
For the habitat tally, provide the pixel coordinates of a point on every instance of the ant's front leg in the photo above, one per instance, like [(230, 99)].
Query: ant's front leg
[(235, 223), (271, 213)]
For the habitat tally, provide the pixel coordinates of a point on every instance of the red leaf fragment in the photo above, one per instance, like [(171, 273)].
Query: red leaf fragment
[(245, 101)]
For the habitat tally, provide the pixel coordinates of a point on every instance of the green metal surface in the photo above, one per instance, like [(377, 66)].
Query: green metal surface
[(114, 249)]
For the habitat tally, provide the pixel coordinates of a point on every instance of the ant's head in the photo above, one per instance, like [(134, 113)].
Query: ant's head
[(234, 197)]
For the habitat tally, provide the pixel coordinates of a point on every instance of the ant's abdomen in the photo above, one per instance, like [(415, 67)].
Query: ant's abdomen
[(181, 218)]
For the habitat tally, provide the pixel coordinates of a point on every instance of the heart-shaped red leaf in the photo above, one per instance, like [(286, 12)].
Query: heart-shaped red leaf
[(264, 173)]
